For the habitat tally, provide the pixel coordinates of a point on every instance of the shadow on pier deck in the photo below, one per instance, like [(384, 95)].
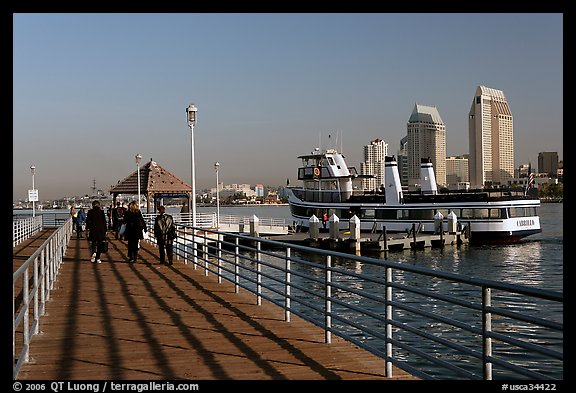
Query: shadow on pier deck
[(119, 320)]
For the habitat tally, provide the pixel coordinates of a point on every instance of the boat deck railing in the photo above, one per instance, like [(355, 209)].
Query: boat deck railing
[(210, 220), (427, 322)]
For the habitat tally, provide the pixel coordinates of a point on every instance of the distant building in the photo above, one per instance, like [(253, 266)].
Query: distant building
[(259, 189), (524, 170), (373, 164), (491, 138), (402, 160), (426, 139), (236, 189), (456, 171), (548, 163)]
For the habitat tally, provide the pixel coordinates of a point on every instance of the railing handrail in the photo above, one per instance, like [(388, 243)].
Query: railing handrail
[(193, 245), (208, 219), (44, 263), (23, 228)]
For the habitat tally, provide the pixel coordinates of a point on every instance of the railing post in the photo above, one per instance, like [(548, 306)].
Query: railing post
[(194, 250), (205, 253), (50, 267), (219, 245), (42, 282), (36, 316), (25, 327), (258, 275), (387, 362), (327, 296), (236, 267), (486, 328), (287, 303), (13, 324), (184, 246)]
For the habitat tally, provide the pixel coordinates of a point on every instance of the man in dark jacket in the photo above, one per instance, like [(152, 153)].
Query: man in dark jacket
[(165, 233), (96, 227)]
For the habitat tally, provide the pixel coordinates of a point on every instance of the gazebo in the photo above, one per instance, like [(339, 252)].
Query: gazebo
[(155, 183)]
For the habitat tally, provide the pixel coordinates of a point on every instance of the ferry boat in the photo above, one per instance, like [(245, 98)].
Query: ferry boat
[(484, 216)]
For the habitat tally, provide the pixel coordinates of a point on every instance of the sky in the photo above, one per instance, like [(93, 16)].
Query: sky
[(92, 90)]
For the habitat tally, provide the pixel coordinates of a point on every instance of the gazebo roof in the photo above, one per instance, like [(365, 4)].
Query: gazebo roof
[(154, 179)]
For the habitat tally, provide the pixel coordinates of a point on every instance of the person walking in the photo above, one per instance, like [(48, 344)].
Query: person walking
[(135, 225), (165, 233), (118, 219), (80, 223), (109, 215), (96, 227), (74, 214)]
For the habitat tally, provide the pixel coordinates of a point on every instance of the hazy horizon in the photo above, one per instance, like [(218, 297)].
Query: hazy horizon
[(90, 91)]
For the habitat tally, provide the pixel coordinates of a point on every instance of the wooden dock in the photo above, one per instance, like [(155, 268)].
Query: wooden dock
[(145, 321), (374, 242)]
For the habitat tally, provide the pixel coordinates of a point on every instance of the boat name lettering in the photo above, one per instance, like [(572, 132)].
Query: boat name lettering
[(524, 223)]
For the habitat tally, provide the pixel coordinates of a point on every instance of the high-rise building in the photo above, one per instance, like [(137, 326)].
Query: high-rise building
[(374, 164), (548, 163), (491, 138), (426, 139), (456, 170), (402, 160)]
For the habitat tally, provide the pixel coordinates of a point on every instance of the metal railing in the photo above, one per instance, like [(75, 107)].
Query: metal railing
[(23, 228), (208, 220), (31, 286), (49, 219), (430, 323)]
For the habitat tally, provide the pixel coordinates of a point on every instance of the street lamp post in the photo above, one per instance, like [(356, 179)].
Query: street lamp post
[(217, 166), (138, 159), (191, 117), (33, 169)]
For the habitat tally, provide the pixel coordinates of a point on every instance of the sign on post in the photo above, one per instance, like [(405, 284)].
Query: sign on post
[(32, 195)]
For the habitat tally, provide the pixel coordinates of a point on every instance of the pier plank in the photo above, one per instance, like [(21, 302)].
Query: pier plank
[(142, 321)]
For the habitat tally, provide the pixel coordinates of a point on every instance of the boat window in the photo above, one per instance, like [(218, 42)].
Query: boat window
[(444, 212), (349, 213), (311, 185), (423, 214), (458, 212), (403, 214), (522, 211), (497, 213), (368, 213), (387, 214), (330, 160), (474, 213)]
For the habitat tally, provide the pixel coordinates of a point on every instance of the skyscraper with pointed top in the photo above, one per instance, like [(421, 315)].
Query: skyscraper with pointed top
[(426, 139), (491, 138)]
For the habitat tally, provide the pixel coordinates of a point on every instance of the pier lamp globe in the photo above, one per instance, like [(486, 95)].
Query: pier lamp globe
[(138, 159), (191, 117)]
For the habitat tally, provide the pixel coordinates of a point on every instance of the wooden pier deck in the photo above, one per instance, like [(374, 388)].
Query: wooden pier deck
[(145, 321)]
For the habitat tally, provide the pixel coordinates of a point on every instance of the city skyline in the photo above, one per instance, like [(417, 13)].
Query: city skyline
[(90, 91)]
